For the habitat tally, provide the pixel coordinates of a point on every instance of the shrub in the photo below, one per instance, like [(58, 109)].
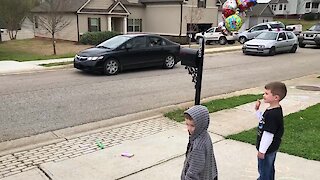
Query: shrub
[(311, 16), (95, 38)]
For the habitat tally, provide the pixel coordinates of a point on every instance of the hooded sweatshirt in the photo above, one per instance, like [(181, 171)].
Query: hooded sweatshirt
[(200, 163)]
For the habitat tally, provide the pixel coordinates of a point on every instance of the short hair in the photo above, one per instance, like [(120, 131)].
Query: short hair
[(277, 88), (187, 116)]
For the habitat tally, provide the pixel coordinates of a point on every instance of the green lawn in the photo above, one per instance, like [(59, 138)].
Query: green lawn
[(305, 24), (301, 137), (217, 105), (37, 49)]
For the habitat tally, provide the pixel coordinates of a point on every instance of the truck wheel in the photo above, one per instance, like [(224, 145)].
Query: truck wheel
[(222, 40)]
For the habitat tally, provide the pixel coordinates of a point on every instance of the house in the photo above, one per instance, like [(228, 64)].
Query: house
[(294, 7), (163, 17), (25, 32), (259, 13)]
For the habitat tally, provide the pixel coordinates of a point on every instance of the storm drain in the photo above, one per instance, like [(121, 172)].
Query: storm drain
[(308, 88)]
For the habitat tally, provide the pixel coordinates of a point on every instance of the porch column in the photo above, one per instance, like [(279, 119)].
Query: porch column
[(109, 23), (125, 25)]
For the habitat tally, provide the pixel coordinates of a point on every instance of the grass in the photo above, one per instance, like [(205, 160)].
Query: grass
[(37, 49), (217, 105), (305, 24), (57, 64), (301, 137)]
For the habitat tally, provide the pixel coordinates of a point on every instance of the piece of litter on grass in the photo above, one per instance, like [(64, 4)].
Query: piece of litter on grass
[(126, 154)]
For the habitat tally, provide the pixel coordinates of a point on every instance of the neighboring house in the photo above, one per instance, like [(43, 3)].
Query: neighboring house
[(294, 7), (25, 31), (163, 17), (259, 13)]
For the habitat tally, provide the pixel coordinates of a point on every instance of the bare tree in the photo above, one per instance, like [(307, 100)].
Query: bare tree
[(192, 19), (52, 18), (12, 13)]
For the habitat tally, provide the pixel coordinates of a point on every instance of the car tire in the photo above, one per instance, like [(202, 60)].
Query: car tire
[(169, 62), (111, 67), (242, 39), (272, 51), (302, 45), (294, 49), (223, 40)]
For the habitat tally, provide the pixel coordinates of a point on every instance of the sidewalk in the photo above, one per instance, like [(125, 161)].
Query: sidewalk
[(158, 145), (7, 67)]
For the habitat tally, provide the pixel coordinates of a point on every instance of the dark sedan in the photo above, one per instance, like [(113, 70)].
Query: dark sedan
[(129, 52)]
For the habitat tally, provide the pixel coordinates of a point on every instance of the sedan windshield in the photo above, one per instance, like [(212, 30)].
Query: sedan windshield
[(315, 28), (114, 42), (267, 36)]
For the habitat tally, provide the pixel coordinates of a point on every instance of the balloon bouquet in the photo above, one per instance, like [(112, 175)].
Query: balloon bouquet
[(233, 14)]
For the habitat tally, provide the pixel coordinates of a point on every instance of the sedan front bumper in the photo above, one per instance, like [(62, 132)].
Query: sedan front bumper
[(87, 65), (247, 50)]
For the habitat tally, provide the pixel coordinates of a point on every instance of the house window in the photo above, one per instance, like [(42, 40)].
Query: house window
[(308, 5), (274, 7), (315, 5), (284, 7), (36, 21), (94, 24), (280, 7), (134, 25), (202, 3)]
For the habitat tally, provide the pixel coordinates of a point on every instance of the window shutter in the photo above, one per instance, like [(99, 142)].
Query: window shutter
[(140, 25), (99, 24), (89, 24)]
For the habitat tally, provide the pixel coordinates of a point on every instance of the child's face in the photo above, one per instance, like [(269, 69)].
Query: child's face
[(268, 97), (190, 126)]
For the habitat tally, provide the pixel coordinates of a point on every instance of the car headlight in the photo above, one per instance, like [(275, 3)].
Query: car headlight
[(94, 58), (261, 46)]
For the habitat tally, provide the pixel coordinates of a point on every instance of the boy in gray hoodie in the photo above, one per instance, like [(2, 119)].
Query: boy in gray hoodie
[(200, 163)]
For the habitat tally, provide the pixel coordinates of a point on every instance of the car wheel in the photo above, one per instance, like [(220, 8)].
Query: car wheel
[(111, 67), (294, 49), (170, 61), (222, 40), (302, 45), (242, 39), (272, 51)]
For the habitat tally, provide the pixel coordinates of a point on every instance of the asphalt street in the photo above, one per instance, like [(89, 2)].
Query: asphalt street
[(34, 103)]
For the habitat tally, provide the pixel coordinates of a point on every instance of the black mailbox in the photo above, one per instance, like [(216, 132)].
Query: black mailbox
[(189, 57)]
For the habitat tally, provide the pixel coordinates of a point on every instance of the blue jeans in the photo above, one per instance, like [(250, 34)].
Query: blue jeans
[(266, 166)]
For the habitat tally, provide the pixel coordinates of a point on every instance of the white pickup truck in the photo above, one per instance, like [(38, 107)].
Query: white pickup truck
[(214, 34)]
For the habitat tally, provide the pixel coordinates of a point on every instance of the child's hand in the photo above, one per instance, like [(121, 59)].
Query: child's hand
[(257, 106)]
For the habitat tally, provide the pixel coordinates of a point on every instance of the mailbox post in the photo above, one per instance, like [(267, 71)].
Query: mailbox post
[(193, 60), (200, 71)]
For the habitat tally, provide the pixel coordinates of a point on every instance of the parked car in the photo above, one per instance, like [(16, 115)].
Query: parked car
[(214, 34), (296, 29), (127, 52), (258, 29), (272, 42), (310, 37)]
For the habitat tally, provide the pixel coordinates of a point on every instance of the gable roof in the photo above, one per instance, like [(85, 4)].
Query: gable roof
[(261, 9), (116, 7), (68, 6), (278, 1)]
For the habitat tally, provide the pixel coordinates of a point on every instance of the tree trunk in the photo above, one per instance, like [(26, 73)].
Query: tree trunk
[(54, 44)]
